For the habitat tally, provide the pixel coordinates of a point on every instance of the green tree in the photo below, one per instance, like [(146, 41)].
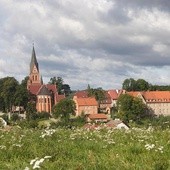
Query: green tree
[(129, 84), (64, 108), (142, 85), (7, 93), (66, 89), (98, 93), (21, 96), (130, 108), (58, 82), (31, 111)]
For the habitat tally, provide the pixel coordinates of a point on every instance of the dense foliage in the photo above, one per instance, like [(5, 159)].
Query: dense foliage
[(61, 87), (130, 108), (98, 93), (64, 109), (142, 85)]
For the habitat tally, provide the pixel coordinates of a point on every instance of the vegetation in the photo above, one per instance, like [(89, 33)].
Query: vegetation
[(13, 93), (98, 93), (130, 108), (64, 109), (61, 87), (83, 149), (142, 85)]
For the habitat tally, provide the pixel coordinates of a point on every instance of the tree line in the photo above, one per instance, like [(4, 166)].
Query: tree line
[(142, 85), (13, 93)]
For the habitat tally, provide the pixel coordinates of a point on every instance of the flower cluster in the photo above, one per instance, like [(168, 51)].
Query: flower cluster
[(47, 132), (36, 162), (152, 146)]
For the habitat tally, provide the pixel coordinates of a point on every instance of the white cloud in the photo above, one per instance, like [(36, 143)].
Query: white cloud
[(97, 42)]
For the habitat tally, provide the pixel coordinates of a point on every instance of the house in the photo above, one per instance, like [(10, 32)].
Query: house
[(117, 124), (96, 118), (46, 95), (158, 102), (114, 94), (106, 104), (87, 105)]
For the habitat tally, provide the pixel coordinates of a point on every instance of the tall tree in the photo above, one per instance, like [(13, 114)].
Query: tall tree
[(58, 82), (142, 85), (64, 109), (98, 93), (9, 86), (66, 89), (129, 84), (130, 108)]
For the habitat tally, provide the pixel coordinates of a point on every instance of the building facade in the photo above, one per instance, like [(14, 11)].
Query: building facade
[(46, 94), (158, 102)]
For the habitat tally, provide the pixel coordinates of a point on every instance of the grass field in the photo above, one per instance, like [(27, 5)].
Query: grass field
[(80, 149)]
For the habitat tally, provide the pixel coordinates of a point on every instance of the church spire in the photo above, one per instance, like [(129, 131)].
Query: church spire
[(33, 60)]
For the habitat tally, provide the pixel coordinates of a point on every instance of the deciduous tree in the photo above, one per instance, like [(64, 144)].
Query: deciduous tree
[(64, 109), (130, 108)]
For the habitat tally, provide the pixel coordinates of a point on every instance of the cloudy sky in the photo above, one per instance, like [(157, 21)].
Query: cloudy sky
[(96, 42)]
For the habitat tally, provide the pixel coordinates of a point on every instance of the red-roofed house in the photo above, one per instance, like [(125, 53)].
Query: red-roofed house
[(157, 101), (46, 95), (114, 94), (87, 105), (96, 118)]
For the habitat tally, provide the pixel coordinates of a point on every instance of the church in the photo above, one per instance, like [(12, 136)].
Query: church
[(46, 94)]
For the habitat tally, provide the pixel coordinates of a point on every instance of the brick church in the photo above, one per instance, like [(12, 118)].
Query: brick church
[(46, 94)]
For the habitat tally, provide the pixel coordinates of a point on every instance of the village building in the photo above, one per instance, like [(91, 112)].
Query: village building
[(117, 124), (46, 94), (86, 105), (104, 106), (158, 102), (102, 118)]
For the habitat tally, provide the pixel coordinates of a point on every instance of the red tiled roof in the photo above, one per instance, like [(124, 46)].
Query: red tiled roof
[(97, 116), (81, 94), (107, 99), (90, 101), (153, 96), (52, 87), (113, 94), (34, 88), (60, 97)]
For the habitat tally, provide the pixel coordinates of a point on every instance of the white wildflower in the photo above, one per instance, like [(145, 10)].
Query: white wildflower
[(2, 147), (33, 160), (149, 146), (47, 157)]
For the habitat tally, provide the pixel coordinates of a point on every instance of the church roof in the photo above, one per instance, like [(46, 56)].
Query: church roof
[(44, 91), (33, 60), (34, 88)]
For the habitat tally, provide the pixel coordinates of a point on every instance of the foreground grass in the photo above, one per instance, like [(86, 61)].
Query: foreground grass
[(81, 149)]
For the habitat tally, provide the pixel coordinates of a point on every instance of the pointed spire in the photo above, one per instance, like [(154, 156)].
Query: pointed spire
[(33, 60), (41, 80)]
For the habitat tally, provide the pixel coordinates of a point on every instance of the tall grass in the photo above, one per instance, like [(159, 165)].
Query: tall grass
[(80, 149)]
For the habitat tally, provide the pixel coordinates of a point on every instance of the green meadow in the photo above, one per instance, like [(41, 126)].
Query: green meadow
[(83, 149)]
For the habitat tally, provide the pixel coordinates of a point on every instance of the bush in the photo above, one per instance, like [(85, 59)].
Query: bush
[(28, 124), (43, 115), (15, 117)]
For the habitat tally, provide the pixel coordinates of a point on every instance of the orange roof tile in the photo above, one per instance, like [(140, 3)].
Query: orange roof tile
[(113, 94), (97, 116), (81, 94), (34, 88), (60, 97), (153, 96), (90, 101)]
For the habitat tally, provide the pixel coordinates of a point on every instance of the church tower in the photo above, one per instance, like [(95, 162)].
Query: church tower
[(34, 76)]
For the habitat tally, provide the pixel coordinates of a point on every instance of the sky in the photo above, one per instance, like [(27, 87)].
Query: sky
[(96, 42)]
